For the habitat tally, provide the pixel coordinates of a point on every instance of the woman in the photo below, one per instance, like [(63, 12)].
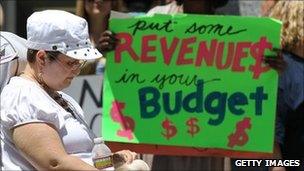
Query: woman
[(12, 56), (41, 127), (97, 14), (290, 108)]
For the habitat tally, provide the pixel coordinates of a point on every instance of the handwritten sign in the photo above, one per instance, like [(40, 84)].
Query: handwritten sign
[(192, 81)]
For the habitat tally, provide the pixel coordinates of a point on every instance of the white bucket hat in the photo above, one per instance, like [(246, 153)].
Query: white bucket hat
[(55, 30)]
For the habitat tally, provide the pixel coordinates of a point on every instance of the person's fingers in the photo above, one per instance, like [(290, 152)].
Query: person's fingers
[(107, 33), (118, 159), (128, 156), (106, 46), (110, 34), (278, 61), (114, 37), (103, 47), (106, 39), (137, 156), (105, 43), (278, 68), (275, 62), (134, 155)]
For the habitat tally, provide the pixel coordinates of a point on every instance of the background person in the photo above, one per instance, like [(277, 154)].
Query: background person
[(41, 127), (12, 59), (289, 135), (12, 56), (97, 14), (290, 107)]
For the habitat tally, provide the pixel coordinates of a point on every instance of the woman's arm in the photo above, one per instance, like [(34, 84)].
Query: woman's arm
[(43, 148), (98, 15)]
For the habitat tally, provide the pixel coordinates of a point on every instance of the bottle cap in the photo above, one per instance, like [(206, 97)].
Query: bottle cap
[(98, 140)]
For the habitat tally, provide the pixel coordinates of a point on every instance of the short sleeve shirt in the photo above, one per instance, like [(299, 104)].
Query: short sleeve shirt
[(24, 102), (171, 8), (290, 94)]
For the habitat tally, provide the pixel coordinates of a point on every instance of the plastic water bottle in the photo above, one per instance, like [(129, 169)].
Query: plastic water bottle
[(101, 155)]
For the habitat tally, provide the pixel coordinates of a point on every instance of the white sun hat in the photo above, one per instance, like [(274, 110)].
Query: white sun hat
[(55, 30)]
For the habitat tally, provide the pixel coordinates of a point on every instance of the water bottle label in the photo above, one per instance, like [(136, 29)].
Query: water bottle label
[(103, 162)]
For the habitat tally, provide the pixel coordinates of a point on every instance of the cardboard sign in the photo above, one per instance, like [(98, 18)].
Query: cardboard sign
[(192, 81)]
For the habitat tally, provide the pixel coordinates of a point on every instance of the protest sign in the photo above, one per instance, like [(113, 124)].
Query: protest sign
[(192, 81)]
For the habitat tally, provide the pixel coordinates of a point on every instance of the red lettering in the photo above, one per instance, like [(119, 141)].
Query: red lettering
[(184, 50), (219, 55), (125, 46), (168, 51), (227, 55), (203, 52), (236, 66), (145, 48), (257, 51)]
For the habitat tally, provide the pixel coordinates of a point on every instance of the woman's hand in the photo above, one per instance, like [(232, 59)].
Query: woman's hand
[(125, 156), (107, 41), (276, 61), (125, 160)]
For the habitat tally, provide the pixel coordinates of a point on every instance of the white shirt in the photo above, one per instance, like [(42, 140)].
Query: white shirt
[(12, 56), (171, 8), (23, 102)]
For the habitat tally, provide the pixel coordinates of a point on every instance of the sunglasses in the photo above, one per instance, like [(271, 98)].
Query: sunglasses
[(68, 65)]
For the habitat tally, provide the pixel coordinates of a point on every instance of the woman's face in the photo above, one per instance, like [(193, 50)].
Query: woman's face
[(59, 72), (92, 6)]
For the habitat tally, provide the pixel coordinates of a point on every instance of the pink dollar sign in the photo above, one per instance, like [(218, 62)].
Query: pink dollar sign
[(126, 122), (240, 137), (169, 128), (193, 127), (257, 50)]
